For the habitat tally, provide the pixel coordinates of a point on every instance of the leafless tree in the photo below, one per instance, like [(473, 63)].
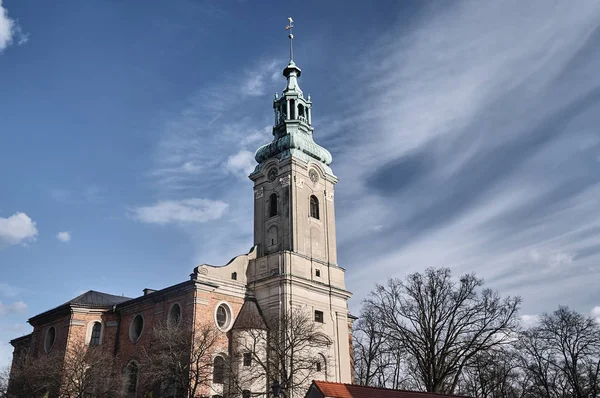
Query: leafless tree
[(178, 362), (378, 361), (442, 323), (493, 373), (290, 349), (34, 376), (4, 376), (561, 355), (89, 372)]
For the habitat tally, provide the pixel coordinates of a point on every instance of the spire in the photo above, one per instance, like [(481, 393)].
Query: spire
[(292, 130), (291, 71)]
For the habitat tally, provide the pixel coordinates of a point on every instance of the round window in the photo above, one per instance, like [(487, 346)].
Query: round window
[(50, 338), (223, 316), (136, 328)]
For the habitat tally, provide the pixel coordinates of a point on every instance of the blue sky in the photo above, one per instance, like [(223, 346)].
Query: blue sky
[(464, 134)]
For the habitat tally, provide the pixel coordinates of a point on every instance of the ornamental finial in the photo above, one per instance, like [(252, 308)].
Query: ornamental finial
[(291, 36)]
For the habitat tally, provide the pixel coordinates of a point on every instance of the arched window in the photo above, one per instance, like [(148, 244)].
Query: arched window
[(301, 111), (132, 377), (174, 315), (219, 370), (272, 205), (96, 330), (234, 276), (314, 207), (49, 339)]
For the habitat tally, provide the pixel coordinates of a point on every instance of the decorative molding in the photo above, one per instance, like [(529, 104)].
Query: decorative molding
[(329, 195), (259, 193), (285, 181), (299, 182), (198, 301), (77, 322), (203, 271)]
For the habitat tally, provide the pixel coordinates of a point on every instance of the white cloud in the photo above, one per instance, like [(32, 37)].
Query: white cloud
[(16, 307), (528, 321), (241, 164), (16, 229), (10, 31), (7, 290), (595, 313), (194, 210), (64, 236)]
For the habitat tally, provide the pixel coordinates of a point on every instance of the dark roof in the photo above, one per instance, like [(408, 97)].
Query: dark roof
[(90, 299), (250, 316), (93, 298), (340, 390)]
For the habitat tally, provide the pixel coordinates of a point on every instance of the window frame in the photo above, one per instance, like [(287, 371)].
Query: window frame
[(48, 347), (247, 359), (319, 316), (314, 210), (273, 205), (221, 379), (99, 334), (132, 328), (170, 315)]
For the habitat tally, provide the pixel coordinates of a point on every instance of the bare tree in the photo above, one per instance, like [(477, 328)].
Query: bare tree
[(34, 376), (290, 349), (378, 361), (89, 371), (4, 376), (442, 324), (178, 362), (493, 373), (561, 356)]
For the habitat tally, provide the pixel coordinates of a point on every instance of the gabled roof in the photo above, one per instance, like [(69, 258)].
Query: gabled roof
[(340, 390), (250, 316)]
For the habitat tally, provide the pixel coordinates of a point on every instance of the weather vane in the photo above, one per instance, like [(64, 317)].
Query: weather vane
[(291, 36)]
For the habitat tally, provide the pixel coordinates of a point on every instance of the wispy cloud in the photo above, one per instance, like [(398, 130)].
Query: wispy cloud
[(481, 152), (7, 290), (10, 30), (64, 236), (17, 229), (13, 308), (195, 210)]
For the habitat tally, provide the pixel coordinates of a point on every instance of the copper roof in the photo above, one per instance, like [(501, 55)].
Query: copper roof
[(341, 390)]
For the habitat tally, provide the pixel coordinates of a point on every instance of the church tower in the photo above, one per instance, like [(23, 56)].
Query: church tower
[(294, 225)]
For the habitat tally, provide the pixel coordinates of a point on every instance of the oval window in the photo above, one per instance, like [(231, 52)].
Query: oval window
[(136, 328), (50, 339), (223, 316)]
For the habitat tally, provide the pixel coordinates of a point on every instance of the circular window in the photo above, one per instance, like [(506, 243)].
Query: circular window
[(136, 328), (50, 338), (174, 315), (223, 316)]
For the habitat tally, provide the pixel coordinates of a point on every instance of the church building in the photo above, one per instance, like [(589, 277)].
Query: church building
[(291, 269)]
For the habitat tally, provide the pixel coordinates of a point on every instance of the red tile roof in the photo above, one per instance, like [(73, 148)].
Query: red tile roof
[(340, 390)]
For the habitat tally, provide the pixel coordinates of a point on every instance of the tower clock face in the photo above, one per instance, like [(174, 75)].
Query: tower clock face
[(314, 176), (272, 174)]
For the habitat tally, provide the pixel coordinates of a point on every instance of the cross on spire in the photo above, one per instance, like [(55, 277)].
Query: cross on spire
[(289, 27)]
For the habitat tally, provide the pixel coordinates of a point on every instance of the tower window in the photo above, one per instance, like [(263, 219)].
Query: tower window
[(319, 316), (247, 359), (273, 205), (318, 366), (318, 272), (314, 207), (246, 394), (292, 109), (234, 276), (96, 329)]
